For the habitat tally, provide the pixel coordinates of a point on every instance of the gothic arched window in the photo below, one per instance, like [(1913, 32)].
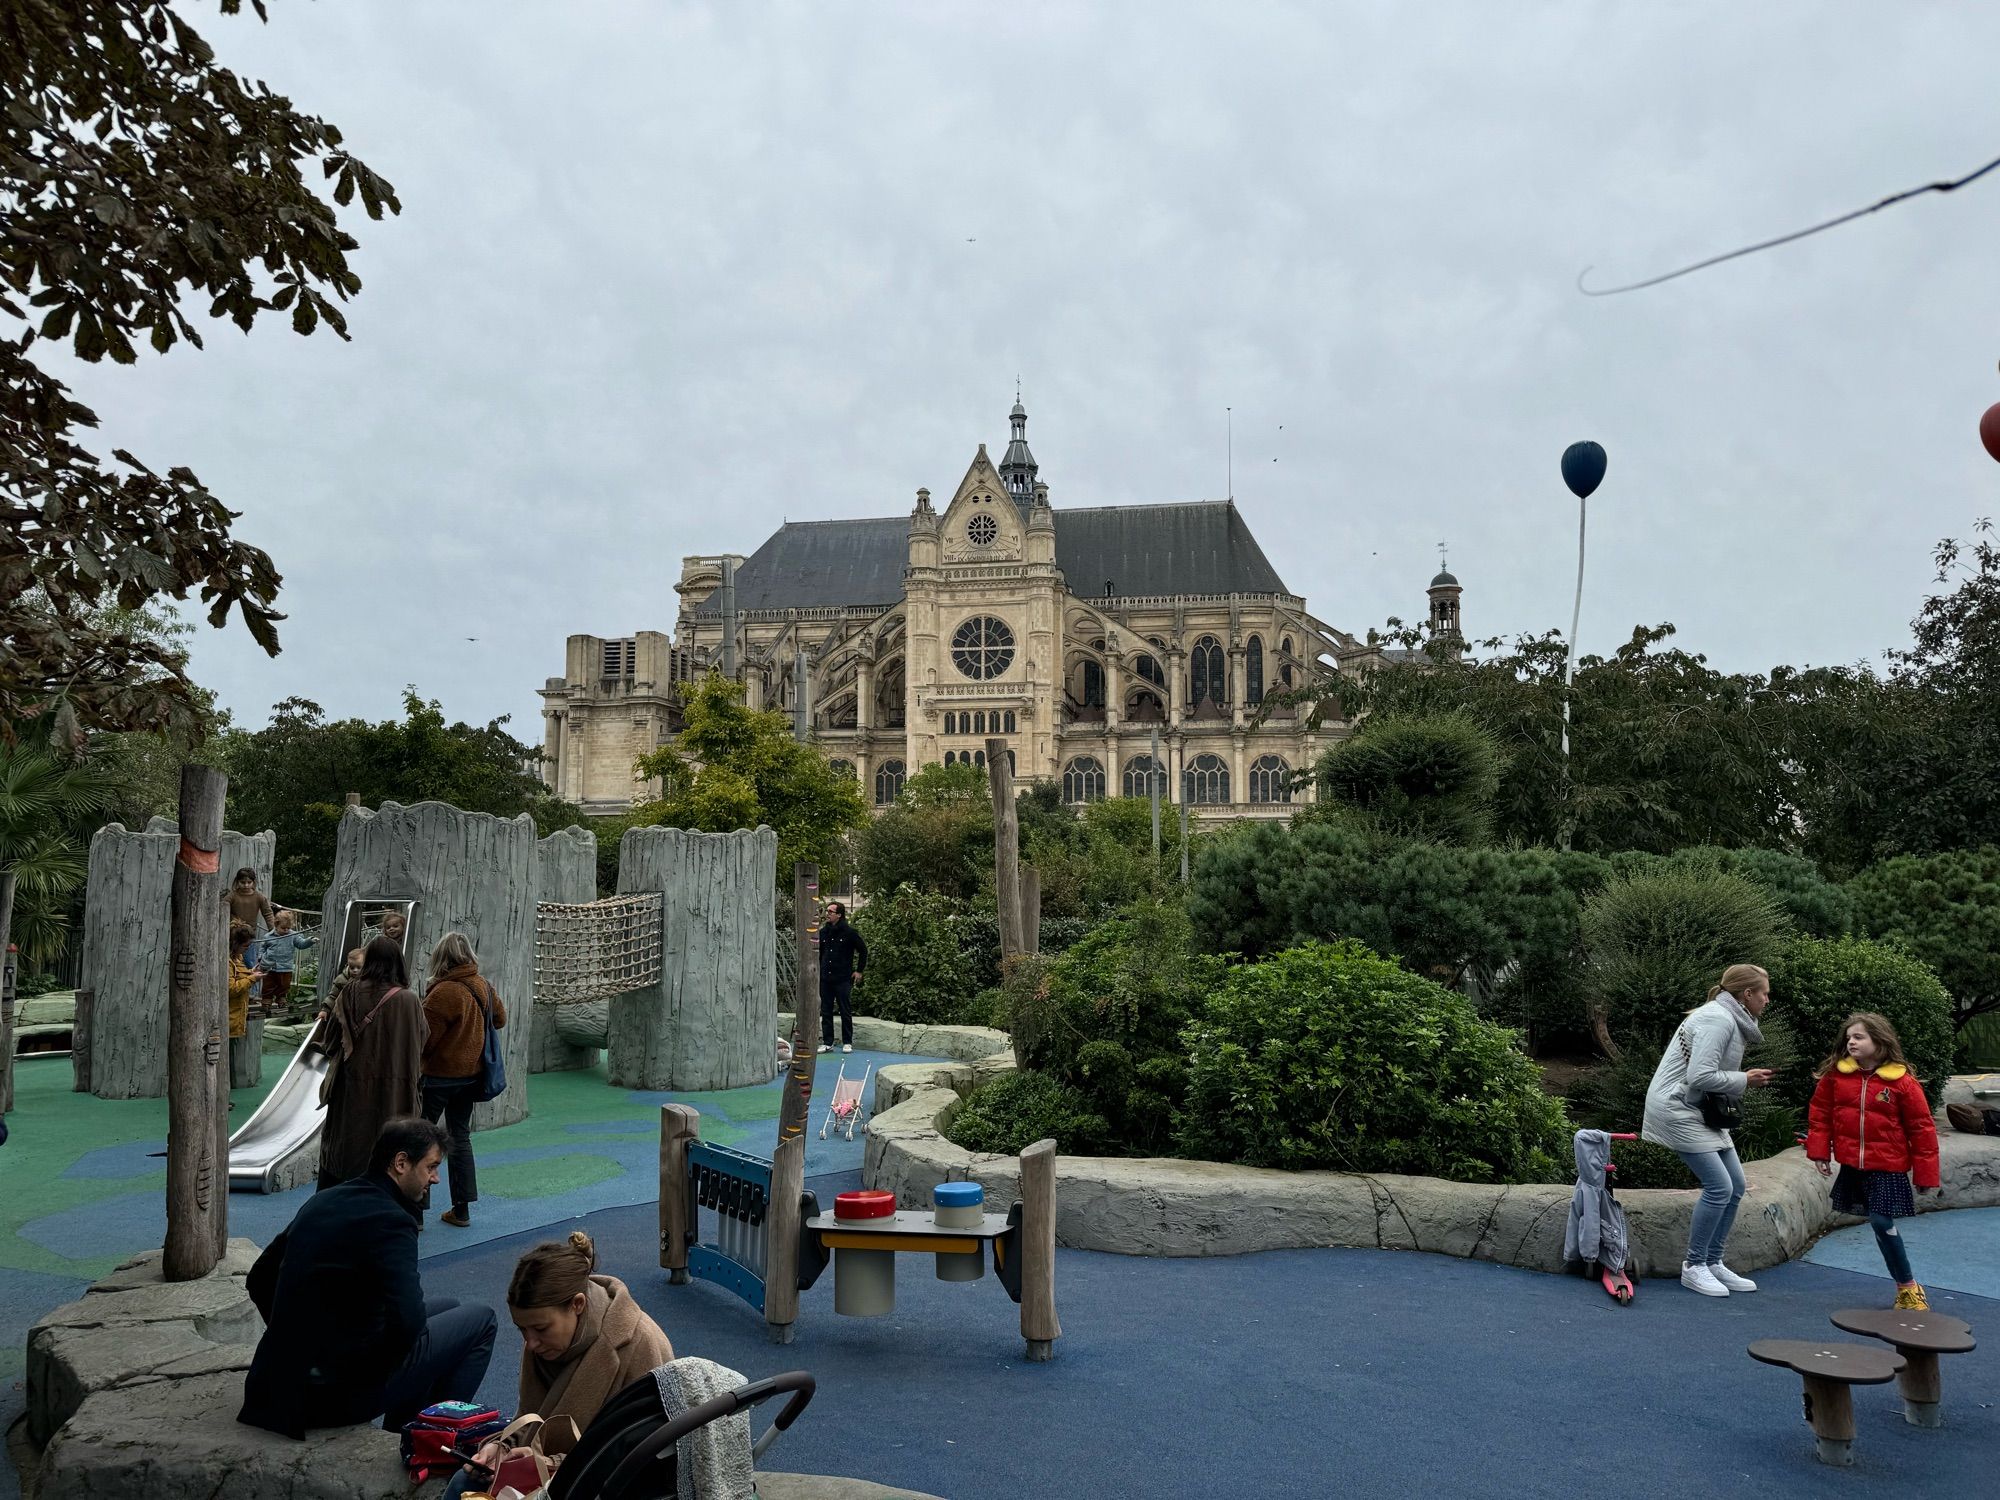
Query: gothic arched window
[(1083, 780), (1144, 708), (1206, 781), (1285, 668), (1207, 672), (1142, 773), (841, 767), (951, 723), (1270, 779), (1093, 685), (888, 782), (979, 759), (951, 757), (1149, 668), (1253, 671), (1010, 721)]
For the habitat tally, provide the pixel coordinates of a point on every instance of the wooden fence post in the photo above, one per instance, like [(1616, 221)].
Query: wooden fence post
[(197, 1036), (1031, 909), (8, 981), (1006, 850), (781, 1239), (1038, 1250), (680, 1127), (79, 1041), (796, 1106)]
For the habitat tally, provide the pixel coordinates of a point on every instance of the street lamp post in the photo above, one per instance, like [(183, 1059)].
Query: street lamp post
[(1583, 471)]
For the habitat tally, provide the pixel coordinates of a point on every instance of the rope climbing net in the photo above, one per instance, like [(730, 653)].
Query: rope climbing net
[(597, 949)]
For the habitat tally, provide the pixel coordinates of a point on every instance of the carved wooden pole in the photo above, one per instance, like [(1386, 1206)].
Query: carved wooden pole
[(197, 1036), (788, 1161), (79, 1040), (8, 980), (1039, 1325), (1006, 850), (680, 1127), (1031, 909)]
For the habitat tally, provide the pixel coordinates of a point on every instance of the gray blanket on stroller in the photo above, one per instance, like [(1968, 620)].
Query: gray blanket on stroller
[(1596, 1228), (715, 1461)]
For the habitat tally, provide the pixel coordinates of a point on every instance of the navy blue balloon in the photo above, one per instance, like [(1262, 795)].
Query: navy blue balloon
[(1583, 468)]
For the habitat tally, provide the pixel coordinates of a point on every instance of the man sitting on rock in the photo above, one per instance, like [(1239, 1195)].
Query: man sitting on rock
[(348, 1332)]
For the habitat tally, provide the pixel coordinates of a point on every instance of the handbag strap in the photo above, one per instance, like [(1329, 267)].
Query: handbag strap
[(387, 995)]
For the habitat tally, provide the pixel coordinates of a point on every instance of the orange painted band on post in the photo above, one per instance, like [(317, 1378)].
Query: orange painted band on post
[(201, 861)]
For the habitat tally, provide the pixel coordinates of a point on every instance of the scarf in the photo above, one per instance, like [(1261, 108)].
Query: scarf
[(1746, 1024), (615, 1342)]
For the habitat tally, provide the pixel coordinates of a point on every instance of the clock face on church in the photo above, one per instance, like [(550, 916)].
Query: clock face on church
[(983, 647)]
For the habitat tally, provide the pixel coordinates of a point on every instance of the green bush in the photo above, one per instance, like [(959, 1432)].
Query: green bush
[(38, 984), (1106, 1017), (1945, 908), (917, 970), (1657, 942), (1017, 1109), (1327, 1056), (1817, 983), (1420, 777)]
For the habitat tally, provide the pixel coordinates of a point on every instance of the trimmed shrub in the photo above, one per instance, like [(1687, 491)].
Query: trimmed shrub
[(1328, 1056), (917, 972), (1419, 777), (1017, 1109), (1944, 908), (1657, 942), (1817, 983)]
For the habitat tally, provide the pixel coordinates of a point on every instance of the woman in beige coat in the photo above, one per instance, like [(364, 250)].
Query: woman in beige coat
[(373, 1037)]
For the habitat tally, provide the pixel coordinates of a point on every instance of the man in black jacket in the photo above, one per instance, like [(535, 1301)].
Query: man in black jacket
[(348, 1332), (842, 957)]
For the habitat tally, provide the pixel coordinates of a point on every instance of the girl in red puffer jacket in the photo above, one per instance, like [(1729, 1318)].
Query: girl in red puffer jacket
[(1869, 1114)]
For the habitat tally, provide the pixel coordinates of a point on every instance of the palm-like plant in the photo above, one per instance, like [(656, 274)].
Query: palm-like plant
[(44, 802)]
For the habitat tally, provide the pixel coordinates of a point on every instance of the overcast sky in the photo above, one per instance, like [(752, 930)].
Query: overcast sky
[(668, 274)]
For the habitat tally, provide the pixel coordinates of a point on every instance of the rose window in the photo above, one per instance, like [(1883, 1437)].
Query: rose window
[(981, 530), (982, 647)]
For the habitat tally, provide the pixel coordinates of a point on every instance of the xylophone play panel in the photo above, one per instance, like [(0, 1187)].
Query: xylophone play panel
[(730, 1197)]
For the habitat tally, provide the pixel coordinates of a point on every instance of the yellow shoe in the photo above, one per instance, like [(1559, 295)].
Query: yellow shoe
[(1911, 1298)]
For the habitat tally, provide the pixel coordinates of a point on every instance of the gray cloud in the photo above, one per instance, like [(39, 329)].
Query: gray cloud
[(669, 274)]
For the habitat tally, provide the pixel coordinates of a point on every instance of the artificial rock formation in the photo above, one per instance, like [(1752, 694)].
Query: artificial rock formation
[(472, 873), (709, 1022), (125, 945), (566, 872)]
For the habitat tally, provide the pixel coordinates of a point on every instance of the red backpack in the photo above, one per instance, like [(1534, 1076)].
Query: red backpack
[(440, 1438)]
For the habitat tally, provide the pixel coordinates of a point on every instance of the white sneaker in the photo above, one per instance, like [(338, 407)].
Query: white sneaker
[(1731, 1280), (1702, 1279), (826, 1046), (849, 1047)]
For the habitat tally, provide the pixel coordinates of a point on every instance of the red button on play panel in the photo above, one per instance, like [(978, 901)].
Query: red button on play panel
[(865, 1203)]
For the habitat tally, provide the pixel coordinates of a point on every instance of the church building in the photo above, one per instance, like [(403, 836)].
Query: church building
[(1107, 645)]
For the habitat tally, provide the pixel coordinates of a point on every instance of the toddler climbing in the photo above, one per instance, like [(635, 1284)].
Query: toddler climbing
[(1870, 1115)]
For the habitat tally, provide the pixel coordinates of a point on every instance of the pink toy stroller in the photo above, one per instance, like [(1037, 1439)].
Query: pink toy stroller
[(845, 1108)]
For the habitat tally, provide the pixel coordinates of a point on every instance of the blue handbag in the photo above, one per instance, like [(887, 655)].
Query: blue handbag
[(492, 1075)]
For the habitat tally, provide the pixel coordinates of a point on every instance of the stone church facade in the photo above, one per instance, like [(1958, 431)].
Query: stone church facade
[(1082, 637)]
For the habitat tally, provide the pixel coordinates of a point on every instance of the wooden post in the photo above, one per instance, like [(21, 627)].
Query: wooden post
[(795, 1108), (1031, 909), (8, 981), (79, 1041), (1038, 1250), (1006, 850), (1830, 1409), (246, 1053), (680, 1126), (197, 1034), (781, 1239)]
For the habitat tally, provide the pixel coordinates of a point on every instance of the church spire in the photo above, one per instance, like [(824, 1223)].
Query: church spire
[(1017, 469)]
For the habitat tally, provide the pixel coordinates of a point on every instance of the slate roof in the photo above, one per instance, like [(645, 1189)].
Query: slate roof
[(1200, 547)]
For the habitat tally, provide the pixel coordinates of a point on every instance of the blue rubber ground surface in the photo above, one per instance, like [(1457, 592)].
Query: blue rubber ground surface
[(1958, 1250), (1357, 1372)]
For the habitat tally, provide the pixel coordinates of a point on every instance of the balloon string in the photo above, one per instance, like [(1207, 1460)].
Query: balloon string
[(1785, 239)]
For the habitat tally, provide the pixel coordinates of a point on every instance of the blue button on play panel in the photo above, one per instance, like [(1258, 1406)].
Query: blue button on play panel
[(958, 1195)]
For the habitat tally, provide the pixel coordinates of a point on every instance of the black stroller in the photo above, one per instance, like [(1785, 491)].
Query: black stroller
[(631, 1450)]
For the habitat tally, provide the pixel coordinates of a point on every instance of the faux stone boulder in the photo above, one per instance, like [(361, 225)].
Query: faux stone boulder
[(180, 1440), (135, 1327), (708, 1023)]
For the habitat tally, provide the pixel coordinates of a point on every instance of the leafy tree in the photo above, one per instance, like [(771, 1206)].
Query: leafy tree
[(938, 836), (1816, 984), (1421, 776), (137, 175), (292, 776), (730, 768), (917, 961), (1945, 909)]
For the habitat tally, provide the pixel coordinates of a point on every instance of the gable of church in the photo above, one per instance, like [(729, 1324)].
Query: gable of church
[(981, 524)]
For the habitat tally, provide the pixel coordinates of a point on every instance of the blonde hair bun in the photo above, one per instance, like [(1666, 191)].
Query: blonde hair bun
[(581, 1244)]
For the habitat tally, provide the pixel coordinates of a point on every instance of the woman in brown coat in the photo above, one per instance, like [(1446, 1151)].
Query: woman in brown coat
[(583, 1341), (458, 1006), (373, 1036)]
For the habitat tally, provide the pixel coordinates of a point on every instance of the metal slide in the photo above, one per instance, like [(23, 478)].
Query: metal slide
[(286, 1123)]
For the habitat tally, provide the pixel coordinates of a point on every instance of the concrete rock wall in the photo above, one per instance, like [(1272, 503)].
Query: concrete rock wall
[(125, 942), (709, 1023), (566, 872), (473, 873)]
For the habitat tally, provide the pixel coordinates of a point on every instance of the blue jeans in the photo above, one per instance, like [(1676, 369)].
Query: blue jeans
[(447, 1362), (1721, 1178), (1889, 1240)]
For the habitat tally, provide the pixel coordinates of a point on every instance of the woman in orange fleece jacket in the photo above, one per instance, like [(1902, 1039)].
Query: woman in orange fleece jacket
[(458, 1007), (1869, 1114)]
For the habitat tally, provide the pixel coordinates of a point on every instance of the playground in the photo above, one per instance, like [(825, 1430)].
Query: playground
[(723, 1179)]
